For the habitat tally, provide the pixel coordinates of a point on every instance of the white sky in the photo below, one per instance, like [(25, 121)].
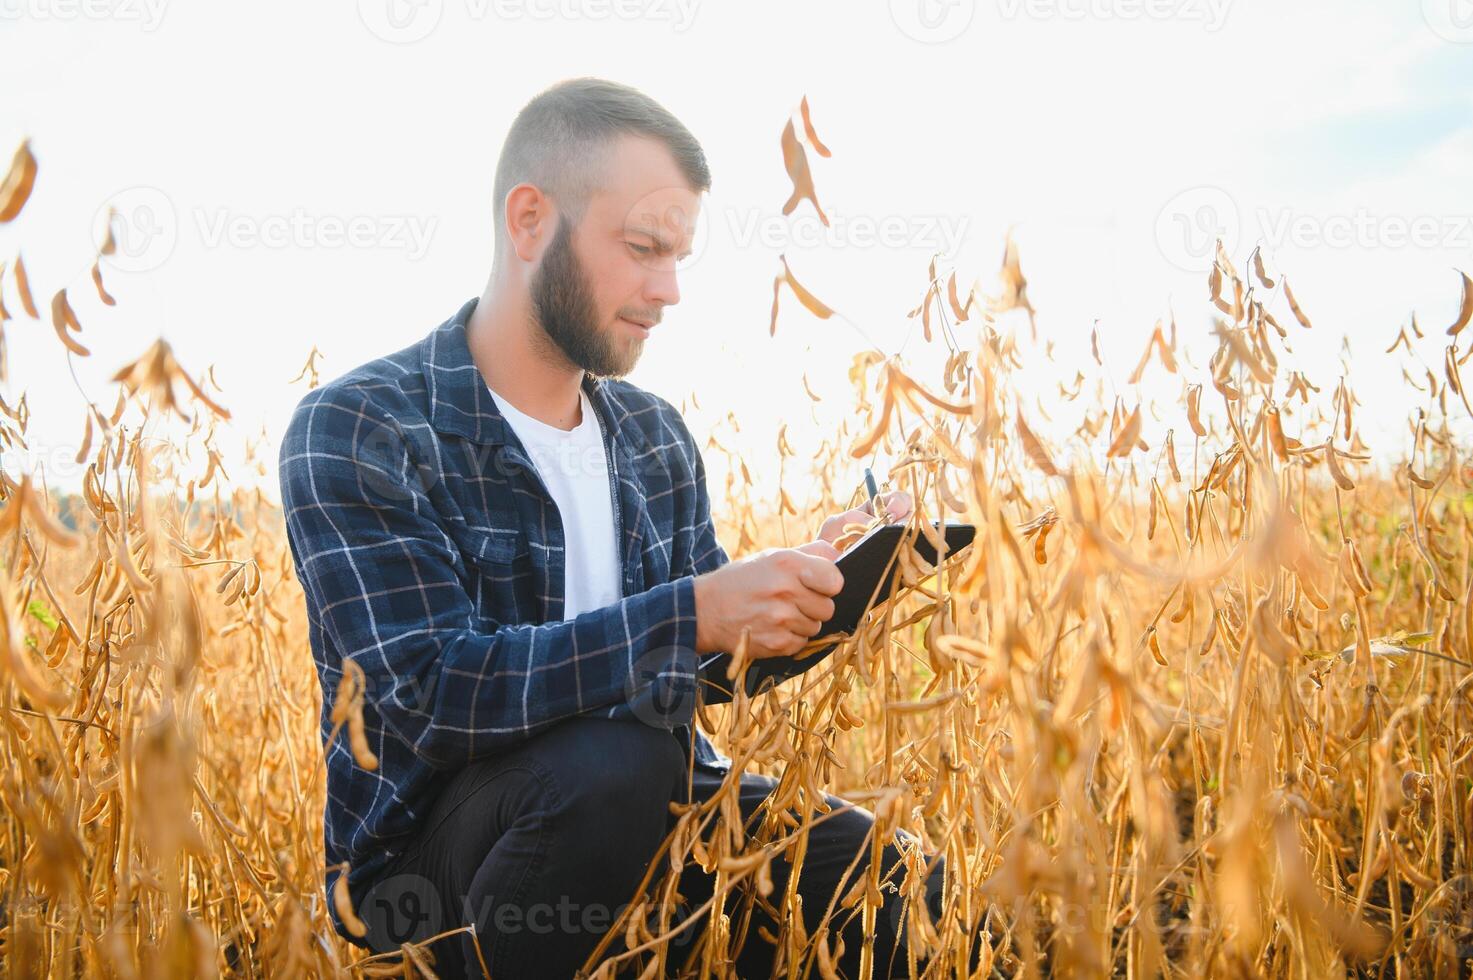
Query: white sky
[(1087, 125)]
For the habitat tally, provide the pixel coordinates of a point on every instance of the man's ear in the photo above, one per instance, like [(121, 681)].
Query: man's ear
[(530, 221)]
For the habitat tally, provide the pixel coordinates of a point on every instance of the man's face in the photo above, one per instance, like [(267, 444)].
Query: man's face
[(600, 286)]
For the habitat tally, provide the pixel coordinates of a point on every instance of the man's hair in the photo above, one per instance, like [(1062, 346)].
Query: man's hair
[(560, 142)]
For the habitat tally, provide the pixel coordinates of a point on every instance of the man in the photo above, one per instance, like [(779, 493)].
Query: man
[(517, 550)]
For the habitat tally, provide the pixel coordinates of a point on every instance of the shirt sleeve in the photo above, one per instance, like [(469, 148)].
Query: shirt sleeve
[(707, 554), (379, 575)]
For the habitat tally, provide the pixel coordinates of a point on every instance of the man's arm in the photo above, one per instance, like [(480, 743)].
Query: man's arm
[(378, 573), (707, 554)]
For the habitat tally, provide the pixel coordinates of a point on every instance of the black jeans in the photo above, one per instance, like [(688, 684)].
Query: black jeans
[(543, 847)]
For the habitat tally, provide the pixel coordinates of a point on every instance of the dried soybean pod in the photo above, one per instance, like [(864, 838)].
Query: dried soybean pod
[(1184, 609), (86, 448), (1170, 449), (228, 577), (1336, 473), (1358, 568), (344, 904), (1294, 305), (102, 292), (1419, 480), (1276, 434), (1355, 731), (23, 286), (1151, 513), (1211, 636), (358, 741), (1258, 269), (1153, 643), (1410, 872), (1465, 307), (1352, 580), (1033, 448), (1194, 408), (15, 190)]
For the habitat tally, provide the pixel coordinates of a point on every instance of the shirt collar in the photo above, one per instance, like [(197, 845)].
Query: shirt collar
[(460, 402)]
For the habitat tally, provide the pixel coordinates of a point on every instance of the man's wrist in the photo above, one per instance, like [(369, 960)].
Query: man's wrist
[(700, 590)]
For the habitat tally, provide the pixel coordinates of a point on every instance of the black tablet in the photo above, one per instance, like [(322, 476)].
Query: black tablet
[(871, 569)]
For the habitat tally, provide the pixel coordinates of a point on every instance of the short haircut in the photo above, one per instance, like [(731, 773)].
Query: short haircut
[(560, 142)]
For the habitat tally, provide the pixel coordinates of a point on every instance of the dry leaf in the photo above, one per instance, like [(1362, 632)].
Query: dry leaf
[(1465, 309), (23, 285), (796, 162), (808, 131), (62, 318), (1294, 305), (810, 301), (19, 180)]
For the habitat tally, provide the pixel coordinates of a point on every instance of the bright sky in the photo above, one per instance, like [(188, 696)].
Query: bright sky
[(292, 174)]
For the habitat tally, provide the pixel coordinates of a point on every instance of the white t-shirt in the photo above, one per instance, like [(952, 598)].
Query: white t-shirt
[(574, 466)]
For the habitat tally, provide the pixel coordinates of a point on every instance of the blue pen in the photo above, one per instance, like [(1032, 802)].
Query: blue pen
[(874, 491)]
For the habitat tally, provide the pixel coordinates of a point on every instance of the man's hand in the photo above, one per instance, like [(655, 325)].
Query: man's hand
[(897, 506), (782, 595)]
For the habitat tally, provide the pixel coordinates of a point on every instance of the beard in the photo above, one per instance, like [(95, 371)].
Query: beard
[(563, 305)]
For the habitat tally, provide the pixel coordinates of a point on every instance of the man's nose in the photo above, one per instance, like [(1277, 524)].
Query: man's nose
[(662, 288)]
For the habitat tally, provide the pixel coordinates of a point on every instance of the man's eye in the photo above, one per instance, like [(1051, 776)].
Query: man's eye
[(639, 249)]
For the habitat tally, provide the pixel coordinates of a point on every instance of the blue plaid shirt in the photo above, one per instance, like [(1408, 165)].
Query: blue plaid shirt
[(432, 555)]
